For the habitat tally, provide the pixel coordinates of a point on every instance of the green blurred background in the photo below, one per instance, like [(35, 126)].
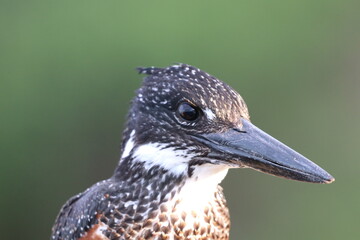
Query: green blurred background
[(67, 76)]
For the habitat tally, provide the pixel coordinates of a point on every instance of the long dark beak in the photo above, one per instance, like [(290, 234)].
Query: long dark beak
[(251, 147)]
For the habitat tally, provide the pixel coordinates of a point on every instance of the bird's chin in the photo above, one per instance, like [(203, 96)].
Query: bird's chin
[(252, 148)]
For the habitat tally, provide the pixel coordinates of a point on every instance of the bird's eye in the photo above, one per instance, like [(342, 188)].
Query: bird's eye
[(187, 111)]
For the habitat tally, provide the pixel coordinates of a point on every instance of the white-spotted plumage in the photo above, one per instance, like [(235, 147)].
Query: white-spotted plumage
[(164, 179)]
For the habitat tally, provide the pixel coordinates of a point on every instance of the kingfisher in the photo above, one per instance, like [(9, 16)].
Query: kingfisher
[(184, 131)]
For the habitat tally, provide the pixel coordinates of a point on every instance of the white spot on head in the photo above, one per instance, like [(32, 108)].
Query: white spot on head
[(156, 154), (129, 145), (209, 114)]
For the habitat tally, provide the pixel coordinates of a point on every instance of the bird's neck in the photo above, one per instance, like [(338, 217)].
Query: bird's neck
[(170, 174), (186, 191), (193, 204)]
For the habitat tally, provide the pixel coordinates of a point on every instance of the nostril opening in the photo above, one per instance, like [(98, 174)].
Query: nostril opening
[(239, 130)]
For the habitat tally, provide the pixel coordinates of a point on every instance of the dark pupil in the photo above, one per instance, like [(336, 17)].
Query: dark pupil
[(188, 112)]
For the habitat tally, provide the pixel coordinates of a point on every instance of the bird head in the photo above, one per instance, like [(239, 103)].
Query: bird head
[(182, 118)]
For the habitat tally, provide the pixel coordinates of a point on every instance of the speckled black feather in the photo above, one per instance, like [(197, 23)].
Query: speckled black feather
[(99, 202)]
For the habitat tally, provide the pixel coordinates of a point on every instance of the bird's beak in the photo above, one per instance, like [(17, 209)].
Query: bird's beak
[(253, 148)]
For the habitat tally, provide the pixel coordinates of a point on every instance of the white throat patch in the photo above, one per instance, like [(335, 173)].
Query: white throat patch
[(157, 154), (200, 188)]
